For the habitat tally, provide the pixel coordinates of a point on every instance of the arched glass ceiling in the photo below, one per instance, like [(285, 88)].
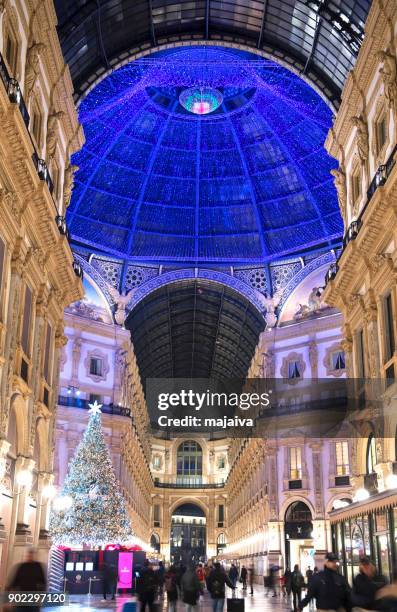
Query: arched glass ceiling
[(194, 329), (320, 38), (247, 183)]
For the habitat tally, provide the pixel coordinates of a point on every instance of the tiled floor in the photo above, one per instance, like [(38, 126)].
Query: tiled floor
[(257, 602)]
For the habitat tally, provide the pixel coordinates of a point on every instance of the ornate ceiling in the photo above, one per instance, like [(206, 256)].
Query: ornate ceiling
[(248, 182), (319, 38)]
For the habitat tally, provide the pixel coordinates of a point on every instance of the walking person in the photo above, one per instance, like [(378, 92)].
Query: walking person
[(30, 577), (366, 585), (270, 581), (216, 582), (329, 588), (251, 578), (171, 589), (201, 575), (297, 584), (233, 575), (244, 576), (287, 582), (160, 577), (147, 587), (191, 590), (110, 577)]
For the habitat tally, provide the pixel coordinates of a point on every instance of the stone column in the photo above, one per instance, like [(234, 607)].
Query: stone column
[(313, 358), (316, 448), (4, 448), (60, 341), (11, 338), (76, 354), (20, 534), (39, 334)]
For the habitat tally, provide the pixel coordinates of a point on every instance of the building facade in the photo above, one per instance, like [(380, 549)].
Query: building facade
[(39, 278), (214, 246), (362, 285)]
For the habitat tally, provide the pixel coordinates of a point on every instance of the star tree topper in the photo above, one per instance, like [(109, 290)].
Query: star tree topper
[(95, 408)]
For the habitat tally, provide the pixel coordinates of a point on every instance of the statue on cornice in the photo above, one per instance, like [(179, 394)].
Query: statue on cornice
[(270, 304), (121, 300), (389, 77), (68, 183), (52, 136), (268, 364), (362, 138), (340, 186), (32, 65)]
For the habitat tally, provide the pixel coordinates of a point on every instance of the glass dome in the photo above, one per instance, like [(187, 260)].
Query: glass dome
[(248, 182)]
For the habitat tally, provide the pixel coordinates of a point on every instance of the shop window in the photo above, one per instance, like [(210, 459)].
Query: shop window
[(221, 462), (295, 463), (342, 458), (356, 187), (96, 366), (47, 354), (156, 515), (293, 370), (360, 356), (381, 133), (388, 322), (26, 321), (36, 124), (189, 462), (221, 515), (338, 360), (157, 462), (11, 53), (371, 459)]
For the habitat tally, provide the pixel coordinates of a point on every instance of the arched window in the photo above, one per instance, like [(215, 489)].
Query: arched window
[(189, 463), (155, 542), (371, 460)]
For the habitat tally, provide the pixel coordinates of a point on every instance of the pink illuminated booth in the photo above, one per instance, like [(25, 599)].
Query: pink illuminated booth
[(83, 569)]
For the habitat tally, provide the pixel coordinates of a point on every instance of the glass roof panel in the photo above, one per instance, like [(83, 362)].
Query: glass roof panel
[(248, 183)]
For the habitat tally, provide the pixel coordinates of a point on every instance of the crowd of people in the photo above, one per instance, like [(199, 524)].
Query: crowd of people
[(326, 589), (186, 584), (329, 591)]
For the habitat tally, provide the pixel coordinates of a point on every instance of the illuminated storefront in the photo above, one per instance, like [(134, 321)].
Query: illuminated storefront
[(366, 528)]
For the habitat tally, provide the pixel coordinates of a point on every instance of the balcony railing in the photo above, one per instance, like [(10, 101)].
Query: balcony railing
[(14, 93), (380, 178), (186, 485), (76, 402)]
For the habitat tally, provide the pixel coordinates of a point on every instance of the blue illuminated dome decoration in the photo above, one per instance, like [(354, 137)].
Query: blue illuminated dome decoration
[(248, 182), (201, 100)]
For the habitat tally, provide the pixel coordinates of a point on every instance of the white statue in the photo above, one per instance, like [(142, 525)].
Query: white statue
[(389, 76), (315, 301), (121, 300), (340, 186), (362, 138), (270, 304)]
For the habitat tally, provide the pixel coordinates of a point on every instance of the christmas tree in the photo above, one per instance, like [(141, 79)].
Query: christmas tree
[(90, 508)]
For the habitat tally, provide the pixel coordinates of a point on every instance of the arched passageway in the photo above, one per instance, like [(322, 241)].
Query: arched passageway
[(298, 529), (188, 534)]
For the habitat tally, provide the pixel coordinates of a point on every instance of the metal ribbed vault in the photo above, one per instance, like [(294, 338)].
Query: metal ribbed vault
[(320, 38), (194, 329)]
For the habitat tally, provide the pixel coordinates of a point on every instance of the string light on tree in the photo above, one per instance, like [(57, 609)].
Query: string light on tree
[(90, 509)]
